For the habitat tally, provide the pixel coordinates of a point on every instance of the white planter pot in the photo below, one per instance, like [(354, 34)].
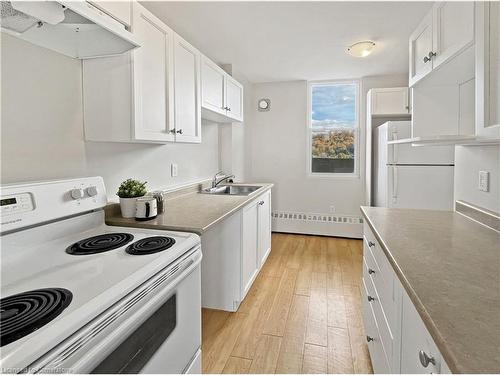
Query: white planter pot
[(127, 206)]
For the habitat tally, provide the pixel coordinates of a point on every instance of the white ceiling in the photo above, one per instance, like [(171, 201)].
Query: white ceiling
[(280, 41)]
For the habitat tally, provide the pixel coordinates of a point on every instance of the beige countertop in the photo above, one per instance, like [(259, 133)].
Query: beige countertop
[(450, 267), (190, 212)]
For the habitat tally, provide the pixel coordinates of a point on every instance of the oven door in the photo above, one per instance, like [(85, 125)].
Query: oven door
[(156, 329)]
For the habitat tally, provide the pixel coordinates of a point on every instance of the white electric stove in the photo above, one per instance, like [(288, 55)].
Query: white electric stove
[(80, 296)]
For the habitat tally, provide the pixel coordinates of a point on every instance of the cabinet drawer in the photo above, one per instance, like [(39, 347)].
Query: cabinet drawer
[(379, 359), (416, 341), (381, 262)]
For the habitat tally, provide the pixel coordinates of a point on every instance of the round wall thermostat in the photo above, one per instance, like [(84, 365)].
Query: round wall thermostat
[(264, 105)]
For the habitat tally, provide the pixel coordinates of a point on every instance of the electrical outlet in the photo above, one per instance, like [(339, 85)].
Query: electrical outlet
[(332, 209), (484, 181), (174, 170)]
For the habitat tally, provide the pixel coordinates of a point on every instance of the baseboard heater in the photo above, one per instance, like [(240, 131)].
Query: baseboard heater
[(324, 218)]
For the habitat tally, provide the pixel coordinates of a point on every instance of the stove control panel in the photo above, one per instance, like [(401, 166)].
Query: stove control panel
[(17, 203), (34, 203)]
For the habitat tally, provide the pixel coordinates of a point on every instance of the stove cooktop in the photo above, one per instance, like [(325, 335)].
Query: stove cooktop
[(100, 243), (24, 313), (150, 245), (111, 241)]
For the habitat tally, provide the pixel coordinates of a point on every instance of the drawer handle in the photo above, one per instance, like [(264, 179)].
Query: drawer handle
[(370, 271), (425, 359), (368, 338), (371, 244), (370, 299)]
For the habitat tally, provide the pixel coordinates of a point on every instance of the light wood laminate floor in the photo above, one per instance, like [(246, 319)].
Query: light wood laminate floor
[(302, 314)]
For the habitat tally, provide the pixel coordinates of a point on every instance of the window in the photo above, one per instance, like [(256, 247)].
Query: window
[(333, 128)]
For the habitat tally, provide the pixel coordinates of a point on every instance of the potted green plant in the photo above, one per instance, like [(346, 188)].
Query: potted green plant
[(128, 192)]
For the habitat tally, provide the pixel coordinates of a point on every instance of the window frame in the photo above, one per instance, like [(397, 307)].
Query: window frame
[(357, 132)]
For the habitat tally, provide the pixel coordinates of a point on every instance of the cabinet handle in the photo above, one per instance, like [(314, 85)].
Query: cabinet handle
[(179, 131), (229, 109), (371, 271), (425, 359), (370, 299), (429, 57), (172, 131), (368, 338), (371, 244), (261, 203)]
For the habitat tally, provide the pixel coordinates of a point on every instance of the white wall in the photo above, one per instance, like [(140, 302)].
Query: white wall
[(468, 162), (276, 149), (42, 129)]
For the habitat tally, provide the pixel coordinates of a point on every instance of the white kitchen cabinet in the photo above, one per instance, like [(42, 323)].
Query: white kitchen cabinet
[(264, 228), (234, 99), (213, 80), (453, 29), (187, 108), (398, 340), (129, 98), (151, 95), (234, 251), (445, 32), (119, 10), (222, 95), (420, 47), (152, 72), (488, 69), (249, 248), (393, 101), (419, 353)]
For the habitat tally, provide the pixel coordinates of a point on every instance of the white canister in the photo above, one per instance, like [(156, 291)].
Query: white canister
[(127, 206), (145, 208)]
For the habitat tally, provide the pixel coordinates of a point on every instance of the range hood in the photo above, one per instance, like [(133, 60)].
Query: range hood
[(73, 28)]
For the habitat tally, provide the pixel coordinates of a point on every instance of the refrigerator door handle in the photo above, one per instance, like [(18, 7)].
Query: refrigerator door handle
[(395, 148), (394, 184)]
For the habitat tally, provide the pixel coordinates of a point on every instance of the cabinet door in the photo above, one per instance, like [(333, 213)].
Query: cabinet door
[(249, 247), (390, 101), (453, 29), (212, 87), (152, 69), (187, 108), (488, 69), (264, 227), (120, 10), (420, 47), (234, 99), (417, 342)]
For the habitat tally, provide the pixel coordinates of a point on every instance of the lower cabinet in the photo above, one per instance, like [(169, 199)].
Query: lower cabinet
[(233, 253), (249, 246), (397, 338)]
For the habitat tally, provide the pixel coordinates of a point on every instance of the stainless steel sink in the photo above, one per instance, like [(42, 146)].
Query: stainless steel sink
[(231, 190)]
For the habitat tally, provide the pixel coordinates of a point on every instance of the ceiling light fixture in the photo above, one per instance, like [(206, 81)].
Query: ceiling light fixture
[(361, 49)]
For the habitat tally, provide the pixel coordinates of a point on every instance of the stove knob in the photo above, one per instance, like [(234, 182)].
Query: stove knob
[(77, 193), (92, 191)]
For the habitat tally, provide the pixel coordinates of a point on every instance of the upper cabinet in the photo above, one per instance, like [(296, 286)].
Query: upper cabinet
[(129, 98), (187, 110), (119, 10), (420, 48), (149, 96), (152, 74), (392, 101), (488, 69), (446, 31), (222, 95)]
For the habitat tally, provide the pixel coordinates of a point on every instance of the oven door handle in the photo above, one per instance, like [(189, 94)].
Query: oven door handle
[(81, 352)]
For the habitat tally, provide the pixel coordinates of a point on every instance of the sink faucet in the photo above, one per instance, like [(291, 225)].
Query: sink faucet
[(215, 180)]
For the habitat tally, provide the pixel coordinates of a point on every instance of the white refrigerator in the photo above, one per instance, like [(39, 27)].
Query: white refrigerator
[(406, 176)]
